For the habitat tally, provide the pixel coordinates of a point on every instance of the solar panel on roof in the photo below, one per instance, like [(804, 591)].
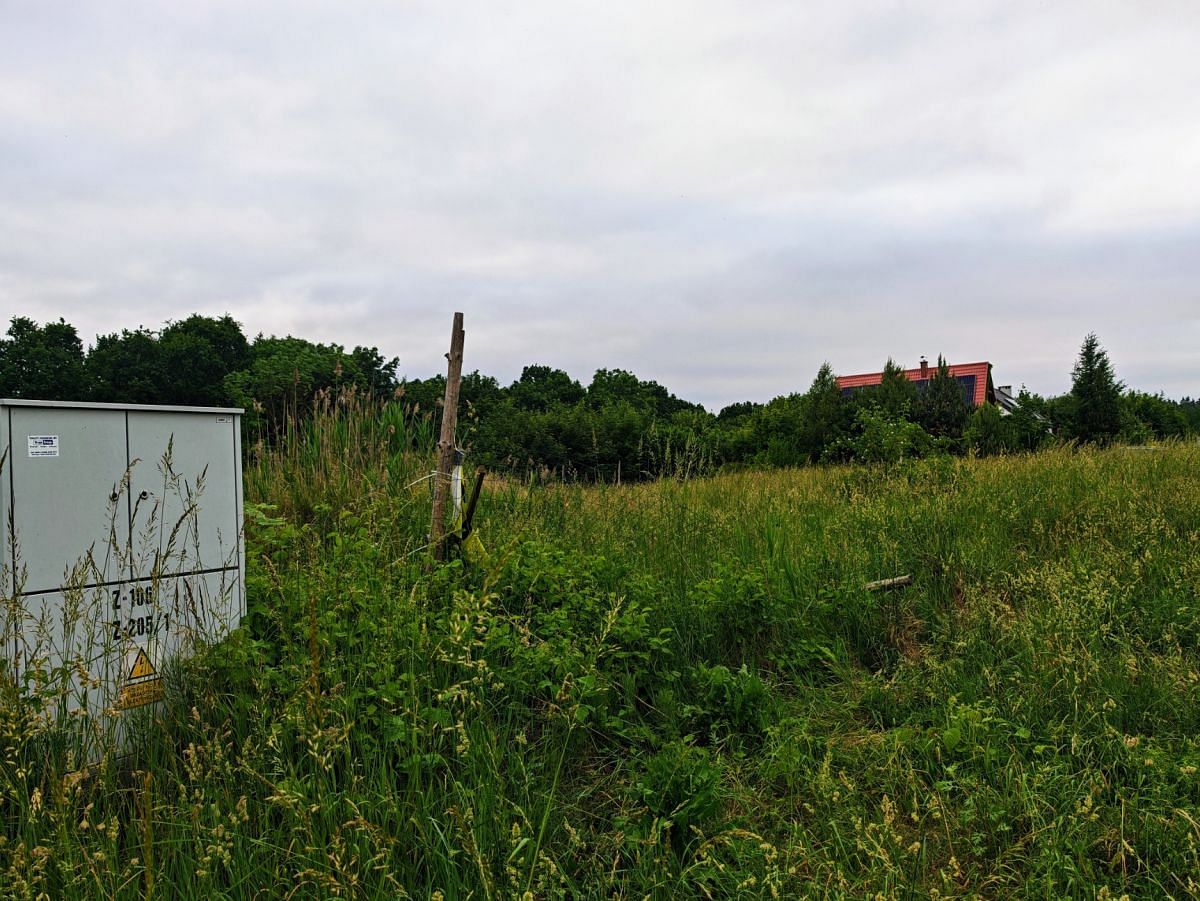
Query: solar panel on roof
[(968, 381), (968, 385)]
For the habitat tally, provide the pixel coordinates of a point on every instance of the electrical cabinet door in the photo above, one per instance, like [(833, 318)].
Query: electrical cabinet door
[(184, 493), (6, 582), (70, 512)]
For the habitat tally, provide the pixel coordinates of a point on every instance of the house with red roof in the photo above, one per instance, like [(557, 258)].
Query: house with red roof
[(975, 378)]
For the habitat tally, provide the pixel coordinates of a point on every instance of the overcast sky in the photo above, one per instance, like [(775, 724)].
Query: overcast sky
[(718, 196)]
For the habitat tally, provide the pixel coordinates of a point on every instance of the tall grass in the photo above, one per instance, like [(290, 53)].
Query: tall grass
[(347, 451), (677, 689)]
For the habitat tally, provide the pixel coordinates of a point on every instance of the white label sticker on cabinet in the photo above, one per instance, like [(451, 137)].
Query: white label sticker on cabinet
[(43, 445)]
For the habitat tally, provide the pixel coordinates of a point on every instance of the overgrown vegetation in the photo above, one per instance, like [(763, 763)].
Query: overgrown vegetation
[(672, 689)]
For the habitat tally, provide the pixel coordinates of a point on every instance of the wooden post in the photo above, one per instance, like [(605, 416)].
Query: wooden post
[(469, 515), (445, 456)]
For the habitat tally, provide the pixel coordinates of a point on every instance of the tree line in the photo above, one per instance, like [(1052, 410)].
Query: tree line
[(618, 426), (199, 361)]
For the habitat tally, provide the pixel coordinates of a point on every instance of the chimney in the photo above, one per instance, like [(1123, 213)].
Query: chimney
[(924, 368)]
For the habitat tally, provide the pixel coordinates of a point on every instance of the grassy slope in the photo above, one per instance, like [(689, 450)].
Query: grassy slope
[(668, 689)]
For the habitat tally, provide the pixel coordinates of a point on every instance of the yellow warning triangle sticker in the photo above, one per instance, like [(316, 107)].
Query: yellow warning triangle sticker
[(142, 667)]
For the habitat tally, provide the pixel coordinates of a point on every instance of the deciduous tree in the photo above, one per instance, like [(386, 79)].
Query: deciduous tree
[(127, 368), (44, 362), (197, 355)]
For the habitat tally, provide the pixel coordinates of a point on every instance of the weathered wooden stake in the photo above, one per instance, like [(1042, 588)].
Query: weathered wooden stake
[(445, 458), (469, 515)]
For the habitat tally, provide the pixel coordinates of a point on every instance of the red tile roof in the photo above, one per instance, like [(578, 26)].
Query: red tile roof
[(979, 370)]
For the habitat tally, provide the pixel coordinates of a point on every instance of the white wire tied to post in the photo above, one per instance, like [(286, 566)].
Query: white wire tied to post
[(424, 478), (432, 474), (456, 480), (456, 490)]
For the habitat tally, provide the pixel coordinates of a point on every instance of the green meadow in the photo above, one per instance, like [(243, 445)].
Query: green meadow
[(676, 689)]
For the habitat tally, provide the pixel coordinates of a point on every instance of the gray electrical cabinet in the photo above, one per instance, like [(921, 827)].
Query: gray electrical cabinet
[(120, 545)]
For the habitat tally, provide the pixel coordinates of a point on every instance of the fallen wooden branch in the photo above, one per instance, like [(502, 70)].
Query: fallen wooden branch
[(889, 584)]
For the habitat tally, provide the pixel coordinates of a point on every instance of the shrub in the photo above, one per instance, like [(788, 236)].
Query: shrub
[(681, 784), (989, 432), (882, 439), (727, 705)]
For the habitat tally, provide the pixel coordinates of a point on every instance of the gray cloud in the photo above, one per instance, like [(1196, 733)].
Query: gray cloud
[(719, 196)]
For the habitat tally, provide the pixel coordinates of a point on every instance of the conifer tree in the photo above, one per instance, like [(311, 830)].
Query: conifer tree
[(824, 414), (896, 395), (1096, 395), (943, 409)]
